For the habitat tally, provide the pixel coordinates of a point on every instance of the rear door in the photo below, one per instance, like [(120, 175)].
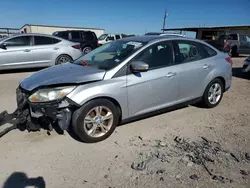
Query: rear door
[(244, 45), (159, 86), (18, 52), (194, 65), (44, 50)]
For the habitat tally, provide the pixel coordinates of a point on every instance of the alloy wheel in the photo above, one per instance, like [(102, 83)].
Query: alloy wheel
[(214, 93)]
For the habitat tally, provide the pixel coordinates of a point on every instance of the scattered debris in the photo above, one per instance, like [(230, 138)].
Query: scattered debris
[(161, 179), (85, 181), (194, 177), (140, 138), (235, 158), (243, 172), (48, 133), (116, 156), (219, 178), (140, 166), (160, 171), (106, 176)]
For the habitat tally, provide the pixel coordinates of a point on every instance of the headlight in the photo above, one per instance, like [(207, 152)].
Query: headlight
[(50, 94)]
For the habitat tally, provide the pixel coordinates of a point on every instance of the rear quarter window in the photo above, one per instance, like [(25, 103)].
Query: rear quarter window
[(207, 51)]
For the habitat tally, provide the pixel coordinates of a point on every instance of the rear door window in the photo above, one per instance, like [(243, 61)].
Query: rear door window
[(117, 37), (234, 36), (187, 51), (42, 40), (75, 35), (18, 41), (207, 51)]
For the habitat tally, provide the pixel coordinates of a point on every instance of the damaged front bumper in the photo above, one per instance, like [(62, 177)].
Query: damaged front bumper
[(44, 115)]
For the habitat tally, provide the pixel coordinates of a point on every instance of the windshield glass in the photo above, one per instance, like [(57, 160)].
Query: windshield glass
[(102, 37), (109, 55)]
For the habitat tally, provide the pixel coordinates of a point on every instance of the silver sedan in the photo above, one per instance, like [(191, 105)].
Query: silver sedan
[(121, 80), (36, 50)]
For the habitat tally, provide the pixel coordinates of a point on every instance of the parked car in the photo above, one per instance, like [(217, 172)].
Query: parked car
[(246, 66), (105, 38), (233, 43), (121, 80), (87, 39), (36, 50), (164, 34)]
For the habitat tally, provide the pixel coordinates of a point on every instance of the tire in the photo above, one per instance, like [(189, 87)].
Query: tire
[(63, 59), (86, 49), (84, 130), (205, 99), (234, 51)]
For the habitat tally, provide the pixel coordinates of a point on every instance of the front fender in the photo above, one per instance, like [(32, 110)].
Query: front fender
[(113, 88)]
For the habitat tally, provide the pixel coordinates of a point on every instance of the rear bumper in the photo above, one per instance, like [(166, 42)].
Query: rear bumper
[(246, 66)]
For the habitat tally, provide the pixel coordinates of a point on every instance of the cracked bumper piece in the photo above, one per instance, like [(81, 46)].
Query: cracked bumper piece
[(45, 115)]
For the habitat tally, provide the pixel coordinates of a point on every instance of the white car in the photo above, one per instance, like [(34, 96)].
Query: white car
[(105, 38)]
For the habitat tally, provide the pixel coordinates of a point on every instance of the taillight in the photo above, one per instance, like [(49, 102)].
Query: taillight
[(76, 46), (225, 43), (229, 60)]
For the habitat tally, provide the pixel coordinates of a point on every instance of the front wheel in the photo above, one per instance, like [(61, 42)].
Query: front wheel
[(95, 121), (213, 93), (63, 59)]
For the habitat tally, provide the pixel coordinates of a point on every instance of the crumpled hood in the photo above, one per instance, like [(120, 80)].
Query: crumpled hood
[(67, 73)]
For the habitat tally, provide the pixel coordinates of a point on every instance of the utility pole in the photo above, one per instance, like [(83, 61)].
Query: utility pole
[(164, 20)]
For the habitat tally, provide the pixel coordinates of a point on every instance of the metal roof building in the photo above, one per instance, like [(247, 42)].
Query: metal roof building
[(209, 31), (49, 29)]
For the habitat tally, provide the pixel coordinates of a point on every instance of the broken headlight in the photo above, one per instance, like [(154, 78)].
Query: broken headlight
[(50, 94)]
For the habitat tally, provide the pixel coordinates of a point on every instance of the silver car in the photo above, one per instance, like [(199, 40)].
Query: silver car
[(36, 50), (122, 80)]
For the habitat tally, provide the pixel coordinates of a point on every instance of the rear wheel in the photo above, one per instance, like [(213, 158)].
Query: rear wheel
[(63, 59), (86, 49), (213, 93), (96, 120)]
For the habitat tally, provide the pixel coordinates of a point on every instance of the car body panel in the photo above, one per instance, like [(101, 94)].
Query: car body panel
[(62, 74)]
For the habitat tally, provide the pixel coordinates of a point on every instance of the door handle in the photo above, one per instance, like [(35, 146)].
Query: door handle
[(171, 74), (206, 66), (27, 50)]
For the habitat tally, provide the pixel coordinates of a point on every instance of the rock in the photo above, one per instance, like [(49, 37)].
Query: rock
[(140, 166), (160, 171), (116, 156), (219, 178), (161, 179), (106, 176), (194, 177), (247, 155), (243, 172), (163, 144), (178, 176), (185, 159), (140, 138), (190, 164)]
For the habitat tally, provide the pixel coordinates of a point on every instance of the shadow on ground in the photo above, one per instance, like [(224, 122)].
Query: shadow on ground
[(237, 73), (20, 180)]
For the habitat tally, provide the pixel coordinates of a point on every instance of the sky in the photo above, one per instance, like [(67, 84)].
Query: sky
[(127, 16)]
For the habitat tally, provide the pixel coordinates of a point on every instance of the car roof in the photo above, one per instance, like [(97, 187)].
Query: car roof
[(151, 38), (34, 34)]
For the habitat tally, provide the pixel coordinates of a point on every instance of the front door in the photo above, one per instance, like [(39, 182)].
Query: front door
[(158, 87), (18, 52)]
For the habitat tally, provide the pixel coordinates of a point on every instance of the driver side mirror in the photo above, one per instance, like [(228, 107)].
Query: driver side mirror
[(139, 66), (3, 46)]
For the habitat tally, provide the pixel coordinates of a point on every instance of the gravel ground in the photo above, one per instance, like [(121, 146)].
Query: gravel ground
[(59, 161)]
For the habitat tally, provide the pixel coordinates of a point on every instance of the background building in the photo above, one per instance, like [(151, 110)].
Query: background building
[(8, 31), (207, 33), (49, 29)]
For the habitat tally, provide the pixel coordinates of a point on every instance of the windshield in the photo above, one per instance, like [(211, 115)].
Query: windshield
[(103, 36), (109, 55)]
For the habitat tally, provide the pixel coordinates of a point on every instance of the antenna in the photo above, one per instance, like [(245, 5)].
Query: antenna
[(164, 20)]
